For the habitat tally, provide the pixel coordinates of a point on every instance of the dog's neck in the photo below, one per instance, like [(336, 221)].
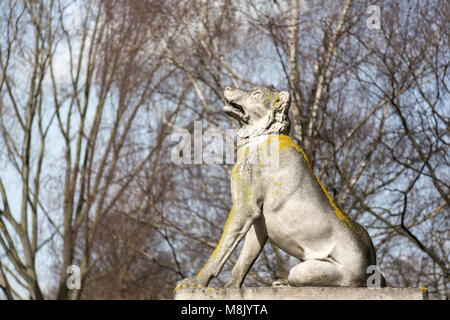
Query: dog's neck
[(254, 129), (258, 139)]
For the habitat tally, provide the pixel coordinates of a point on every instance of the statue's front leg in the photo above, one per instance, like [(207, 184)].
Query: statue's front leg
[(239, 221), (255, 240)]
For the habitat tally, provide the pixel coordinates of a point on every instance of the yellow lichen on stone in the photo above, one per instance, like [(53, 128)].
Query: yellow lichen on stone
[(275, 100), (230, 216), (182, 286), (423, 288), (277, 188)]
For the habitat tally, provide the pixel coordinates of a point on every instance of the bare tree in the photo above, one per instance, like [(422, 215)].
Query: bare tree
[(84, 130), (87, 109)]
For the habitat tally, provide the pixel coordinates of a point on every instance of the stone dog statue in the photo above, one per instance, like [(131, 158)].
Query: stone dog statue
[(283, 201)]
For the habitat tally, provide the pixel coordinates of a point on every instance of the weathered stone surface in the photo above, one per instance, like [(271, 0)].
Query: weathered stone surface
[(277, 196), (301, 293)]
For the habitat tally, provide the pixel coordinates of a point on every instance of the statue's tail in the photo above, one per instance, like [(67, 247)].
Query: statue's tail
[(383, 283), (373, 261)]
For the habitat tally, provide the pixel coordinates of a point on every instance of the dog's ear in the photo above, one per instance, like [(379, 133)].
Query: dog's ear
[(285, 96), (278, 119), (282, 102)]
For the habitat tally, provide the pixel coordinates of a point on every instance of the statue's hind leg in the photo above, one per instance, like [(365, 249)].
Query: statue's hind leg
[(315, 273)]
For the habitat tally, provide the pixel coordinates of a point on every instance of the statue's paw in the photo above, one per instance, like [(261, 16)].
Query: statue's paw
[(280, 283), (188, 283), (232, 284)]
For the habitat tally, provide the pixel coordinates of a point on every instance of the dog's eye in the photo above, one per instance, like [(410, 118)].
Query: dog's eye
[(257, 94)]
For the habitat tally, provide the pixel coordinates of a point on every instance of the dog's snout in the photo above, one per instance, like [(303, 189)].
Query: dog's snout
[(228, 92)]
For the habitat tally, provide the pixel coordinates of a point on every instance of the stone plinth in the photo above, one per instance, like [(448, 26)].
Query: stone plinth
[(301, 293)]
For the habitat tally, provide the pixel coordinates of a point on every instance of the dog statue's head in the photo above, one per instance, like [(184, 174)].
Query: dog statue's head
[(261, 110)]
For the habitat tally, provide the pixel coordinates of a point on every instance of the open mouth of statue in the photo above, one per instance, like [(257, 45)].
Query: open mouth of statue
[(235, 110)]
